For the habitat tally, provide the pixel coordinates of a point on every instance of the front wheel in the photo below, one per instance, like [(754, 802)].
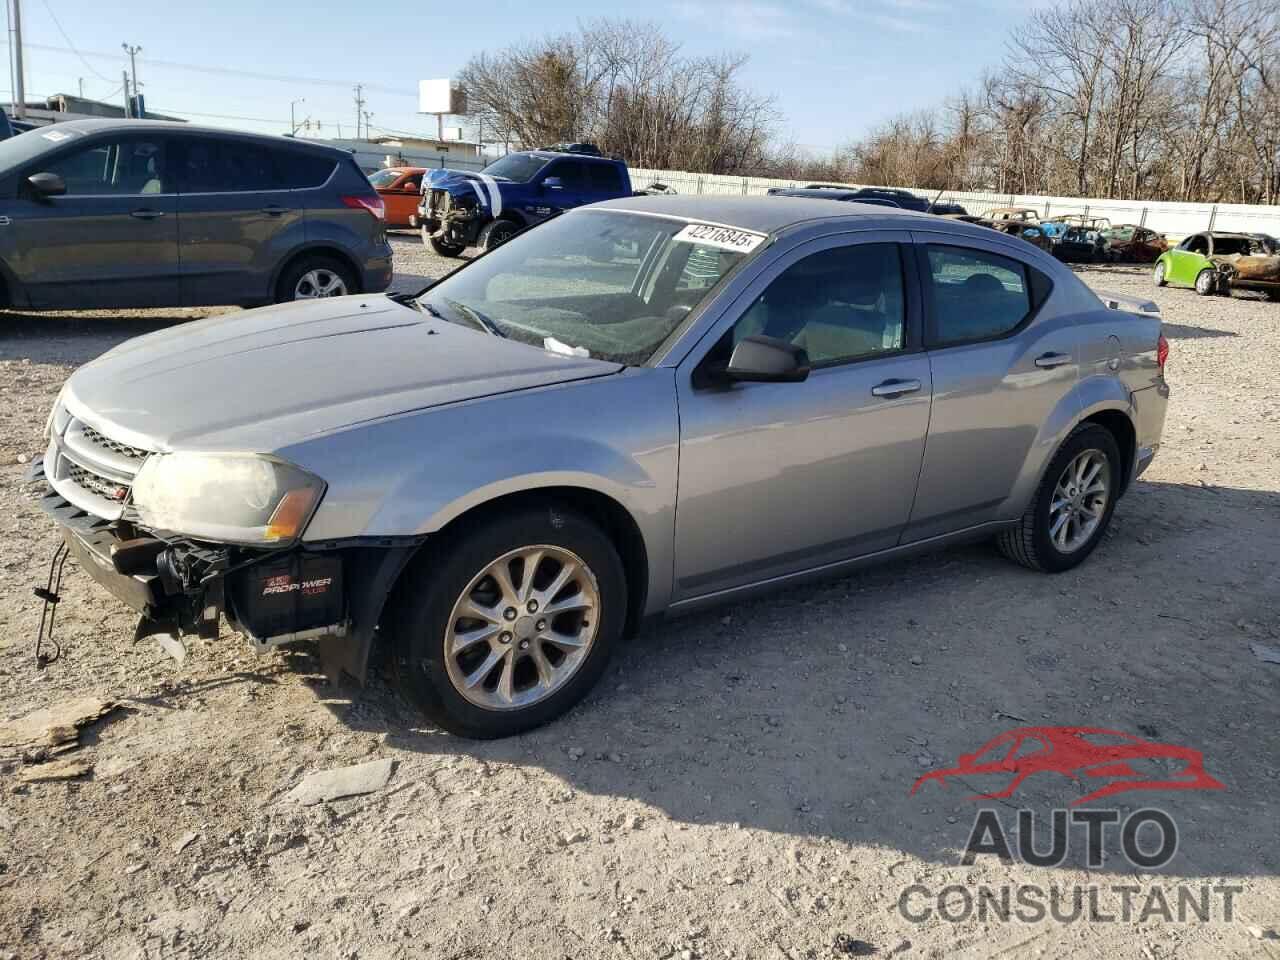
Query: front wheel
[(1206, 282), (510, 624), (495, 234), (443, 247), (1158, 276), (1072, 506)]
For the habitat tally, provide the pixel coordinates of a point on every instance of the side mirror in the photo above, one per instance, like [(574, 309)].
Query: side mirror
[(47, 184), (552, 183), (761, 359)]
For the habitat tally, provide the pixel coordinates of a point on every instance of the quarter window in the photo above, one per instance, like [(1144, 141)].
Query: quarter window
[(302, 171), (118, 167), (975, 295), (839, 304)]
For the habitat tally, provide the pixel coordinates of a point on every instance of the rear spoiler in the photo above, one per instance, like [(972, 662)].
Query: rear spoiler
[(1118, 301)]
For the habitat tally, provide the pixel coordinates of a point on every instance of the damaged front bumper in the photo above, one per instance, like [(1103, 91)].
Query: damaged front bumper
[(447, 219), (332, 593)]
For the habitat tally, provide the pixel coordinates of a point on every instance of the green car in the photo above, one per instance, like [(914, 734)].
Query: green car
[(1214, 262)]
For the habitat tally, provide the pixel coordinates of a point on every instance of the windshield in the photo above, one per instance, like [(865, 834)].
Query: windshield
[(600, 283), (519, 167), (16, 151), (384, 178)]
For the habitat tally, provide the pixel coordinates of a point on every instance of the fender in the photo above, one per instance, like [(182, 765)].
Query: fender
[(1089, 396)]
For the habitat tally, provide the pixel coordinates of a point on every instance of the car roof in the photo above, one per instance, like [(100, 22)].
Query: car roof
[(770, 214), (108, 125), (553, 154)]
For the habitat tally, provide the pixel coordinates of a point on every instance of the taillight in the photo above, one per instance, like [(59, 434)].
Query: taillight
[(1162, 352), (372, 204)]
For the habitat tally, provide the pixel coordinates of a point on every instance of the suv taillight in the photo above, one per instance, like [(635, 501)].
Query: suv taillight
[(373, 204), (1162, 352)]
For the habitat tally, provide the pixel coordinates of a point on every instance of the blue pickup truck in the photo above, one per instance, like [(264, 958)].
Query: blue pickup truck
[(460, 209)]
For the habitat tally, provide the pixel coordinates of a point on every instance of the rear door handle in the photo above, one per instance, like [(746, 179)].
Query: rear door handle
[(273, 211), (895, 388), (145, 214), (1048, 360)]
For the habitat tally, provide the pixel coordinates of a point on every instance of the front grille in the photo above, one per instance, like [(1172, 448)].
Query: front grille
[(96, 484), (439, 204), (115, 446)]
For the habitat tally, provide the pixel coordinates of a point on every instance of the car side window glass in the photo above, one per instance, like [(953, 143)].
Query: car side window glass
[(571, 173), (301, 171), (604, 177), (1198, 244), (975, 295), (117, 168), (216, 166), (412, 183), (840, 304)]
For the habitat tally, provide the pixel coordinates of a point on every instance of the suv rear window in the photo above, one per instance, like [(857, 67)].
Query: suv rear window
[(302, 171)]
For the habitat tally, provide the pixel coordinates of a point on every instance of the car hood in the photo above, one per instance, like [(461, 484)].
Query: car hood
[(265, 379), (486, 189)]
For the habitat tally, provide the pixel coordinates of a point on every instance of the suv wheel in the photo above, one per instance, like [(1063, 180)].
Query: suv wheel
[(310, 277), (497, 233), (511, 624), (1073, 505)]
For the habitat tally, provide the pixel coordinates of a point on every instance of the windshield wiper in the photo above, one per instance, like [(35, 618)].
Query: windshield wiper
[(476, 317)]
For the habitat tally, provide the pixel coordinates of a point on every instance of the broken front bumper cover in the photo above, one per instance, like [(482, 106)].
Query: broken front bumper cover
[(332, 593)]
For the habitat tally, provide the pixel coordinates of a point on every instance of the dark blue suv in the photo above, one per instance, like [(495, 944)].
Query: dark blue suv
[(460, 209), (142, 213)]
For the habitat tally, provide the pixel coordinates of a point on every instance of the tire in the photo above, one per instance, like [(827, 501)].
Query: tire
[(441, 247), (431, 616), (327, 276), (496, 233), (1206, 282), (1030, 542), (1158, 275)]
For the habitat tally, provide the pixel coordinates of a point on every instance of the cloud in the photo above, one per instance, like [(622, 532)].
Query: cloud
[(746, 18)]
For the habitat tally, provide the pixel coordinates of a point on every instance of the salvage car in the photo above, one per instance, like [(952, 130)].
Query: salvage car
[(638, 408), (400, 189), (1080, 245), (150, 213), (1130, 243), (1215, 262), (460, 209)]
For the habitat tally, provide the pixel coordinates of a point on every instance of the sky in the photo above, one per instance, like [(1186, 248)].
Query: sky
[(836, 67)]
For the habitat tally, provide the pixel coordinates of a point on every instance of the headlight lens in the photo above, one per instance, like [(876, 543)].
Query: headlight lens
[(227, 498)]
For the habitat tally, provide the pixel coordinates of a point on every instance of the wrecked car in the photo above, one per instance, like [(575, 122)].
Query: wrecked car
[(644, 406), (1129, 243), (460, 209), (1216, 262)]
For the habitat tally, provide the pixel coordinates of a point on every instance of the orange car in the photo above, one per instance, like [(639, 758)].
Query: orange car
[(399, 188)]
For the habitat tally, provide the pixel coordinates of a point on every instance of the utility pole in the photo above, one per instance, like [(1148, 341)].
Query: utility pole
[(293, 124), (15, 45), (128, 107), (133, 67), (359, 88), (367, 117)]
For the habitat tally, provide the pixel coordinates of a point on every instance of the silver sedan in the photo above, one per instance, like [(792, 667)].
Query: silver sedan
[(638, 408)]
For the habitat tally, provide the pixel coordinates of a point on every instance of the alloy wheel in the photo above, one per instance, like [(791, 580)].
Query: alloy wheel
[(320, 282), (1079, 501), (522, 627)]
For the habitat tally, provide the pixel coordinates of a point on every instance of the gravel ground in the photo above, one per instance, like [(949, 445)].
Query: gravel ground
[(736, 787)]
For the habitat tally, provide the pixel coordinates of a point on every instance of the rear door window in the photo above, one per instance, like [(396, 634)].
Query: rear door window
[(208, 165), (974, 295)]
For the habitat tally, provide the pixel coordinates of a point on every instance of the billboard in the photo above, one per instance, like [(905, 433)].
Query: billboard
[(441, 96)]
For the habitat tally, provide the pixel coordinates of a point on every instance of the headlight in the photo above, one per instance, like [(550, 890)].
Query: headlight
[(227, 498)]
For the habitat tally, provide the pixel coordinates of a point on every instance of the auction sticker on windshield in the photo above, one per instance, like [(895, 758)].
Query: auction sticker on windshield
[(726, 238)]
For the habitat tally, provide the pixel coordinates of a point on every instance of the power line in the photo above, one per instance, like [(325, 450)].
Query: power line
[(87, 65)]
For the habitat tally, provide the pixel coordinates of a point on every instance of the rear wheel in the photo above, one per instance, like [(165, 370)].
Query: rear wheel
[(497, 233), (1073, 505), (1159, 276), (313, 276), (1206, 282), (512, 623)]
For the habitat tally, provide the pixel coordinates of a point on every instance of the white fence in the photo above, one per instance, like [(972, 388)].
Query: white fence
[(1174, 219)]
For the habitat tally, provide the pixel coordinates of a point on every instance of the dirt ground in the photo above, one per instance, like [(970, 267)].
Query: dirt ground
[(737, 785)]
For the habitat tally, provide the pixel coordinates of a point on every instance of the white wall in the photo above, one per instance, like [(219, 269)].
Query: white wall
[(1175, 219)]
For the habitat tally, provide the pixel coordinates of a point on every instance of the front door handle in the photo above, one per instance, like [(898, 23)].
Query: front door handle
[(1050, 360), (273, 211), (895, 388), (145, 214)]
